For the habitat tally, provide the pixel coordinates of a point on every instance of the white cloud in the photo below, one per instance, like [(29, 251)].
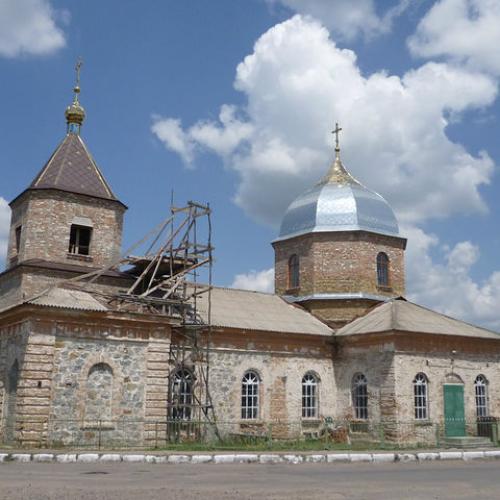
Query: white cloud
[(465, 30), (222, 138), (448, 286), (297, 83), (29, 27), (261, 281), (349, 18), (4, 229), (170, 132)]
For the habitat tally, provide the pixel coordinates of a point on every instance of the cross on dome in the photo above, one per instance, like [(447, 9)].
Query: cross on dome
[(336, 132)]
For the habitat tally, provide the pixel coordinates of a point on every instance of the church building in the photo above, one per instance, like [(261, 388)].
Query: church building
[(336, 342)]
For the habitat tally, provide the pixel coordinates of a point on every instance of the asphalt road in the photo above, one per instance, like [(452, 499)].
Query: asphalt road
[(433, 480)]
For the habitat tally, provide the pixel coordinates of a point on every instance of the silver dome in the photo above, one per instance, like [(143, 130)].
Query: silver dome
[(338, 203)]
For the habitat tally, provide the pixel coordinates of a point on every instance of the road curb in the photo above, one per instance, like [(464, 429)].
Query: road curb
[(249, 458)]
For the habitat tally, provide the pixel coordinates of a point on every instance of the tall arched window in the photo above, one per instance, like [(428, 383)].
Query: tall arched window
[(360, 396), (420, 396), (250, 396), (182, 394), (309, 396), (382, 269), (293, 271), (481, 391), (99, 394)]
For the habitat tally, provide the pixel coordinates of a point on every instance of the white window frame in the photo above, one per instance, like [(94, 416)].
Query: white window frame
[(310, 400), (359, 396), (481, 396), (182, 389), (250, 386), (421, 396)]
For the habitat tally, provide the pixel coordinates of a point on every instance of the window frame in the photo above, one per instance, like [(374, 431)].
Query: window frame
[(310, 396), (383, 270), (360, 397), (421, 396), (182, 387), (75, 246), (18, 232), (481, 396), (250, 395), (294, 272)]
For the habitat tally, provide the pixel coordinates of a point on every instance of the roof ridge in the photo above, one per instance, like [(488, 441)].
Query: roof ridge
[(98, 170)]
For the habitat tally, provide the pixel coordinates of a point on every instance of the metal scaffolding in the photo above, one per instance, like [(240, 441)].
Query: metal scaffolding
[(173, 277)]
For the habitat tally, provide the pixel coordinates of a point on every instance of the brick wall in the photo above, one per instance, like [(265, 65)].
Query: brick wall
[(46, 217), (340, 262)]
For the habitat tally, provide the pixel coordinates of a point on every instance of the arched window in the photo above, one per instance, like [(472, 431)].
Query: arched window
[(360, 396), (250, 396), (382, 269), (309, 396), (99, 394), (420, 396), (182, 394), (481, 391), (293, 271)]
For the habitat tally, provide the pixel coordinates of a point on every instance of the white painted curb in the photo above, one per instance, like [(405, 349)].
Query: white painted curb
[(450, 455), (43, 457), (384, 458), (250, 458)]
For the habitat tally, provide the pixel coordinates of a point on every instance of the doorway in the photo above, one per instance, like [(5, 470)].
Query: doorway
[(454, 410)]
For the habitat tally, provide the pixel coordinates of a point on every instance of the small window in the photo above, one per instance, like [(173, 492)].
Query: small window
[(420, 396), (481, 390), (382, 269), (250, 396), (360, 396), (79, 240), (19, 230), (182, 389), (309, 396), (293, 271)]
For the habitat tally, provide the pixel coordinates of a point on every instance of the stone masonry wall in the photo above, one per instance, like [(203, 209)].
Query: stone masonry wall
[(96, 372), (280, 390), (46, 217), (437, 366), (33, 353), (64, 393)]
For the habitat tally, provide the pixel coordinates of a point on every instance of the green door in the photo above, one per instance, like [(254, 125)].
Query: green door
[(454, 417)]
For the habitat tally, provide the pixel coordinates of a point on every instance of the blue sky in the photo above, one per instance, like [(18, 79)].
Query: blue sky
[(231, 102)]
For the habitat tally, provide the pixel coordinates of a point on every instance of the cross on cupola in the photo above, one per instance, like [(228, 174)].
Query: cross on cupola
[(75, 114), (336, 132)]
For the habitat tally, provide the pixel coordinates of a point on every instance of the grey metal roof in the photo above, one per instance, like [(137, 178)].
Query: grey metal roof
[(338, 203), (248, 310), (71, 168), (68, 299), (401, 315)]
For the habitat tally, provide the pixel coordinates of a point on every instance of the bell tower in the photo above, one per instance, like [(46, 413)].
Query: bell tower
[(339, 250), (68, 215)]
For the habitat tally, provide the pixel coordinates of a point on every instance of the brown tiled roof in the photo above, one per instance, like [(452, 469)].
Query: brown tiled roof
[(71, 168)]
